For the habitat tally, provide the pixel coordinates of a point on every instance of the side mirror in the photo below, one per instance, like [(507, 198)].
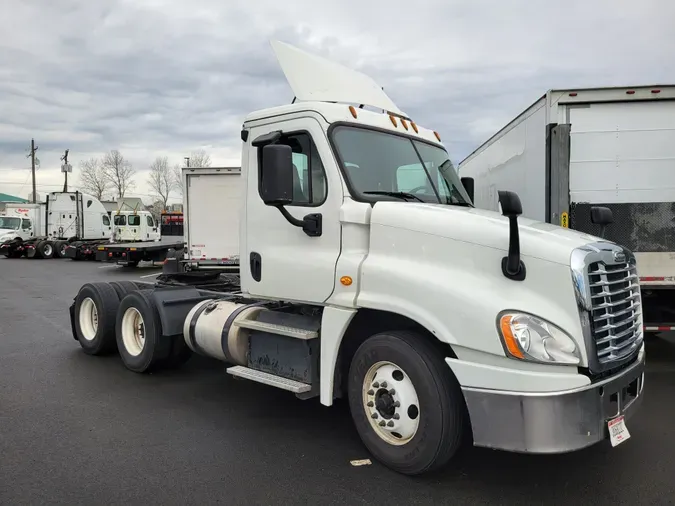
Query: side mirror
[(512, 266), (601, 216), (468, 184), (276, 176)]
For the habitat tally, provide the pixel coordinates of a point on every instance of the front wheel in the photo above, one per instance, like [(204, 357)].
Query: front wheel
[(405, 402)]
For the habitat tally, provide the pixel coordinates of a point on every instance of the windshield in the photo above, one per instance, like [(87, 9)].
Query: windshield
[(380, 163), (7, 222)]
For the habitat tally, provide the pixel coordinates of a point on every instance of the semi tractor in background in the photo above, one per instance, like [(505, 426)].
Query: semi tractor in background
[(64, 219), (577, 148), (367, 273)]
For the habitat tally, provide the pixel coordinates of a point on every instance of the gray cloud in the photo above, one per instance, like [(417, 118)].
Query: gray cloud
[(162, 78)]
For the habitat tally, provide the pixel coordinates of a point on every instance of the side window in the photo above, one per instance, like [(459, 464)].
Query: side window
[(89, 203), (150, 222), (120, 219), (25, 224), (309, 177), (134, 220), (106, 220)]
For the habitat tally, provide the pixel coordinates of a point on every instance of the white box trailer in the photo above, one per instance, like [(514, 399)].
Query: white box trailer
[(612, 147), (212, 201)]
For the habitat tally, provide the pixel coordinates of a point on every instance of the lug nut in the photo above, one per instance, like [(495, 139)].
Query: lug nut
[(374, 415), (397, 404), (390, 424), (382, 424), (396, 416), (384, 384), (371, 404), (392, 391), (371, 392), (376, 385)]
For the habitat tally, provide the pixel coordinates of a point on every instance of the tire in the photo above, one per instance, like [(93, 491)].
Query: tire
[(60, 249), (98, 338), (439, 412), (138, 330), (36, 252), (46, 249)]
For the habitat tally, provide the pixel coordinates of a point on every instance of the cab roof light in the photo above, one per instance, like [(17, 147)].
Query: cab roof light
[(352, 109), (393, 120), (414, 127), (404, 123), (437, 136)]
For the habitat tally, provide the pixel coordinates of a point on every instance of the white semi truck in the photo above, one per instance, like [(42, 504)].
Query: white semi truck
[(578, 148), (66, 218), (367, 273)]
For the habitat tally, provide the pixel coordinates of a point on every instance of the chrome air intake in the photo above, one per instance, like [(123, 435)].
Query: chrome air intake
[(608, 294)]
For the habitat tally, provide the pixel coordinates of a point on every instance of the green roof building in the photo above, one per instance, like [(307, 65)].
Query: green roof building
[(11, 198)]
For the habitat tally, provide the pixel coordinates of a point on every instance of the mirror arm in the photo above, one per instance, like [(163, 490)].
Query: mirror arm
[(310, 224)]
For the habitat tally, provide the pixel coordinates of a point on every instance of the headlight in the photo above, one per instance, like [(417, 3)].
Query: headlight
[(527, 337)]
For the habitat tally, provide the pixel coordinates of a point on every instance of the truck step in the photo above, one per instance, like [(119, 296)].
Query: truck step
[(281, 330), (269, 379)]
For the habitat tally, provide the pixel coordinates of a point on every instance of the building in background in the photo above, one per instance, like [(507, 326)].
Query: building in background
[(10, 199)]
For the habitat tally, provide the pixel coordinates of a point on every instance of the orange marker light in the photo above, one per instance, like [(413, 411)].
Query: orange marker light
[(393, 120), (352, 109), (437, 136), (509, 338), (414, 126), (404, 123), (346, 280)]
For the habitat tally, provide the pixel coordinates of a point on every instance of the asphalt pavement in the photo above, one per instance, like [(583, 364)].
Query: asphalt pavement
[(76, 429)]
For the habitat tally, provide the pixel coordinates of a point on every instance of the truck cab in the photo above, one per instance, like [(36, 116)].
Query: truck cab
[(367, 273), (134, 226), (20, 221)]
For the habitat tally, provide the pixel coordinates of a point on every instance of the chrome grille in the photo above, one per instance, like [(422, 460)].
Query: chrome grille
[(615, 309)]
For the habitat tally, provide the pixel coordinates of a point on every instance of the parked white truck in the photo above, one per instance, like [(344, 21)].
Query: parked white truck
[(611, 147), (66, 218), (434, 319)]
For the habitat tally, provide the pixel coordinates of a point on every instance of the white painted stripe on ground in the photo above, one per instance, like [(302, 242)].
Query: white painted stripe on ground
[(151, 275)]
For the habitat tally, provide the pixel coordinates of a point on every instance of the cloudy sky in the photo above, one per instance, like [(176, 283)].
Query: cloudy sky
[(165, 77)]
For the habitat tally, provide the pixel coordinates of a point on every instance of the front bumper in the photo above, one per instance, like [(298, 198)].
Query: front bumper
[(554, 422)]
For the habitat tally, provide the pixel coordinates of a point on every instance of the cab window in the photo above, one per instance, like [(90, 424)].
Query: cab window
[(120, 219), (150, 222), (134, 220), (25, 224), (106, 220)]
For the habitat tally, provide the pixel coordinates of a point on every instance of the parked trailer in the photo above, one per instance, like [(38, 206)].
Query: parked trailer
[(212, 199), (434, 319), (65, 218), (611, 147)]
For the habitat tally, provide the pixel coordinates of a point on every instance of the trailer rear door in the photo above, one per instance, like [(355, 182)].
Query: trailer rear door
[(214, 198), (622, 155)]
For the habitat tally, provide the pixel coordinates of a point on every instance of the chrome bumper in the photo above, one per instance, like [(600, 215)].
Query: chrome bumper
[(556, 422)]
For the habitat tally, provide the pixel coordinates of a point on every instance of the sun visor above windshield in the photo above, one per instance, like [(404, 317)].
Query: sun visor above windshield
[(313, 78)]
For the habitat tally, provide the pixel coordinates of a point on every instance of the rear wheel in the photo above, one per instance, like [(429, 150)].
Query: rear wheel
[(138, 331), (406, 404), (46, 249), (95, 309), (60, 249)]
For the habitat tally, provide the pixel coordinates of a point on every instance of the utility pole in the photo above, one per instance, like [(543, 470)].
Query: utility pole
[(65, 168), (33, 149)]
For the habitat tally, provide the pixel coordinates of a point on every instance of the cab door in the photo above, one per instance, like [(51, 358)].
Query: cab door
[(279, 259)]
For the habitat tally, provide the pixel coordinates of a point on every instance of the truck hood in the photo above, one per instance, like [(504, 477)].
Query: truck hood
[(485, 228)]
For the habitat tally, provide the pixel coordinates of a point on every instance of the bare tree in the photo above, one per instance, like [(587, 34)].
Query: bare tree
[(178, 179), (92, 178), (118, 171), (161, 180), (200, 158)]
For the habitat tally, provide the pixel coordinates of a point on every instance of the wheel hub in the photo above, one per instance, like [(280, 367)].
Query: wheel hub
[(391, 403)]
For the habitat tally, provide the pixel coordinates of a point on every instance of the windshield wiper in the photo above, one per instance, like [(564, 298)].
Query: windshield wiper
[(402, 195)]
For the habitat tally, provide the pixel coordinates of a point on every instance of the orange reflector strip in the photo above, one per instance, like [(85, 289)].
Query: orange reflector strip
[(509, 338)]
